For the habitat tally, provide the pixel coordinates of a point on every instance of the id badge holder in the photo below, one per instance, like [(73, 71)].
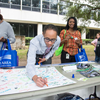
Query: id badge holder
[(67, 56)]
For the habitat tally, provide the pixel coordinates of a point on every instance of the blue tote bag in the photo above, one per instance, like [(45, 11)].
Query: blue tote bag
[(81, 56), (8, 58)]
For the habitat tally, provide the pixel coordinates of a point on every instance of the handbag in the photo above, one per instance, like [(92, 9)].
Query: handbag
[(81, 56), (8, 58), (59, 50)]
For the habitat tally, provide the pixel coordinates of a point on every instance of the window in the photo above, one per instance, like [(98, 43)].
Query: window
[(15, 4), (49, 6), (32, 30), (36, 5), (60, 28), (4, 3), (24, 29), (26, 4), (45, 6), (15, 28), (92, 34), (29, 30), (64, 6), (53, 6), (33, 5)]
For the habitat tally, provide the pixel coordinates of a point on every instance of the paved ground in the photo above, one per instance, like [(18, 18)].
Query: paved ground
[(55, 60)]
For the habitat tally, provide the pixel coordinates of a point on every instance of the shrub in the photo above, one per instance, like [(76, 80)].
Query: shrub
[(85, 41), (27, 40)]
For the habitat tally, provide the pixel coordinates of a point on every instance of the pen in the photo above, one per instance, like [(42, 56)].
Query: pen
[(39, 62), (46, 83), (46, 80)]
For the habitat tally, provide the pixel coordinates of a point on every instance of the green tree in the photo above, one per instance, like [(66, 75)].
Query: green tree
[(86, 11)]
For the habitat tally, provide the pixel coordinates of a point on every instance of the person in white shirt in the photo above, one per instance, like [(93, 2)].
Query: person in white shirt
[(42, 48)]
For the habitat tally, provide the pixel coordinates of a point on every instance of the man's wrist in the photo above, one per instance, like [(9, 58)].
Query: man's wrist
[(34, 78)]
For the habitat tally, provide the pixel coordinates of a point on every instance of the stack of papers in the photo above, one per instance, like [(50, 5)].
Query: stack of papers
[(70, 68)]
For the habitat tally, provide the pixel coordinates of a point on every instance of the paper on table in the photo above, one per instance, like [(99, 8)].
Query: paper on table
[(86, 62), (70, 68), (97, 66), (37, 66), (16, 81)]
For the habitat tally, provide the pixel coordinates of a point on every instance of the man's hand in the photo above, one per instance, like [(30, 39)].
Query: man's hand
[(39, 81), (42, 59), (2, 39)]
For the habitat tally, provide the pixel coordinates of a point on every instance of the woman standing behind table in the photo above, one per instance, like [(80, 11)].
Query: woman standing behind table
[(94, 43), (72, 41), (6, 32)]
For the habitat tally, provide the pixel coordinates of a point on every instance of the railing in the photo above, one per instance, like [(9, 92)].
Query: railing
[(49, 11), (15, 6), (30, 8), (5, 5)]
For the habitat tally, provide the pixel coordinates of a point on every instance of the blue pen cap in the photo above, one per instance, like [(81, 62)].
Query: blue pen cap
[(73, 76), (38, 64)]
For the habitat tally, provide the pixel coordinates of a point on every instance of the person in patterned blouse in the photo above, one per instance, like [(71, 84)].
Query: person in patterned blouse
[(71, 38)]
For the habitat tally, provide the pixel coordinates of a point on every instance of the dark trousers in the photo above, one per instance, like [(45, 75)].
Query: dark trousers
[(49, 61), (63, 57)]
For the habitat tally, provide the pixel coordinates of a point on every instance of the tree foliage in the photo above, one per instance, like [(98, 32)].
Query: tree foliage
[(86, 11)]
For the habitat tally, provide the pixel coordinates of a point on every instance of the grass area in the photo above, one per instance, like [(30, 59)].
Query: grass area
[(23, 53), (89, 50)]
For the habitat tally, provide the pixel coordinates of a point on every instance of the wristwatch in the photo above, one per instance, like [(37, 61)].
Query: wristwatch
[(46, 59)]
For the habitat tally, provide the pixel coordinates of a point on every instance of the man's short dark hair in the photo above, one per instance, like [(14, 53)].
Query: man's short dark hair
[(1, 17), (50, 27)]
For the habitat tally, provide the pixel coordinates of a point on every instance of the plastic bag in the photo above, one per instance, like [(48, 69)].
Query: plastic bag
[(59, 50), (81, 56)]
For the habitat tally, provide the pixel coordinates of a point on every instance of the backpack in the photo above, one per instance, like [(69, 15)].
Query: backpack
[(69, 96)]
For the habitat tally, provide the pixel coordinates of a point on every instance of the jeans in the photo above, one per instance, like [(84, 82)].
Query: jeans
[(97, 59)]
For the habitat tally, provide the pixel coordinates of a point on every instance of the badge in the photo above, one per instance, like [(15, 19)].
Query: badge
[(67, 56)]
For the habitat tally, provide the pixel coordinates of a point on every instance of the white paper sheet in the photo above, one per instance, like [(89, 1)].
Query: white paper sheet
[(70, 68), (16, 81)]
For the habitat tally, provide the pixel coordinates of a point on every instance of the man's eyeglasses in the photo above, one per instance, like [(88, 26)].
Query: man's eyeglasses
[(52, 40)]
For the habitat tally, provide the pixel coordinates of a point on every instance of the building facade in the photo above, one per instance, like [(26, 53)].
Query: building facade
[(28, 17)]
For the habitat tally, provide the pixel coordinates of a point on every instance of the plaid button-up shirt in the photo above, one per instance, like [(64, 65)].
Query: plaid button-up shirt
[(70, 46)]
